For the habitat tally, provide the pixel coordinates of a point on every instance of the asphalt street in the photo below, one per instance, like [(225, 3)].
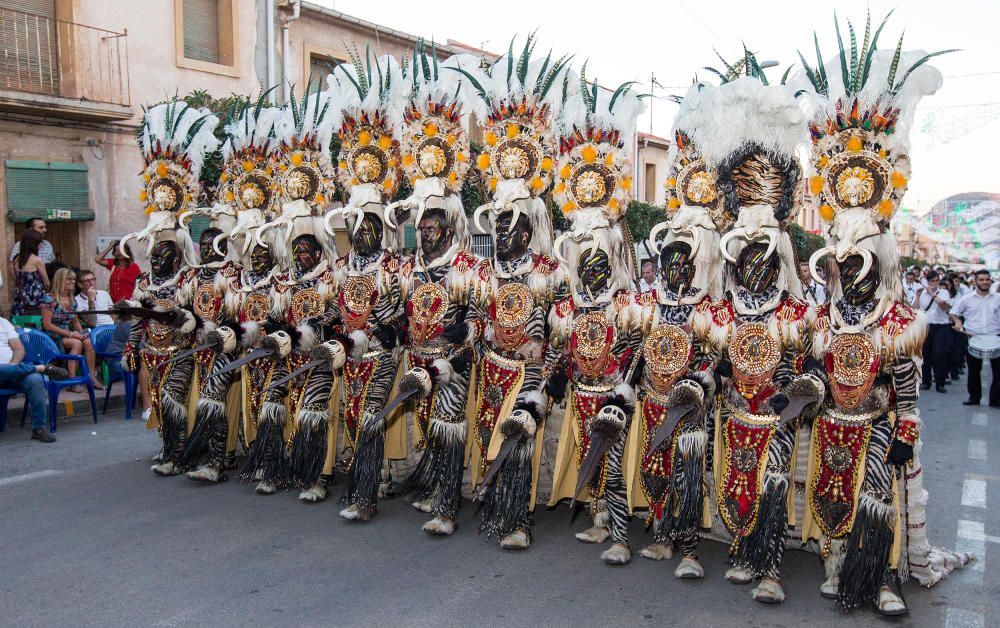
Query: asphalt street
[(89, 536)]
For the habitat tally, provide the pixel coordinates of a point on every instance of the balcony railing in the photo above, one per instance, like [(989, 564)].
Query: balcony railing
[(58, 58)]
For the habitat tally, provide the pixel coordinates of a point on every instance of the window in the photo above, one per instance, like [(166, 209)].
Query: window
[(29, 46), (49, 190), (482, 245), (201, 30), (649, 183), (206, 35), (320, 66)]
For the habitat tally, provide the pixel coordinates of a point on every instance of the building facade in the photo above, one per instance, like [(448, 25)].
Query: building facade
[(74, 75)]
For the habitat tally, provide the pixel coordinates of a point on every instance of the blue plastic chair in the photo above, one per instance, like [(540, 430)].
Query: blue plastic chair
[(40, 349), (100, 337), (5, 395)]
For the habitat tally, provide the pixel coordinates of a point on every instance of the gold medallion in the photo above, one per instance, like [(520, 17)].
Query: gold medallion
[(358, 301), (855, 364), (513, 305), (429, 304), (158, 330), (667, 351), (306, 304), (755, 355), (592, 339), (206, 302), (256, 307)]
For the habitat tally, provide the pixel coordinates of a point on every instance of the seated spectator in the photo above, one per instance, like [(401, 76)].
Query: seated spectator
[(124, 272), (30, 277), (61, 323), (27, 378), (90, 298)]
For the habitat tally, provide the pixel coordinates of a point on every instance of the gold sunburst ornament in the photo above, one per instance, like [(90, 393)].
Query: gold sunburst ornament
[(513, 305), (667, 350), (755, 355)]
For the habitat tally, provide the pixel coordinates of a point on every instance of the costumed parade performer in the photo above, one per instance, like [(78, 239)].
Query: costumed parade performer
[(213, 288), (443, 302), (521, 281), (864, 493), (670, 437), (598, 327), (748, 132), (174, 140), (306, 289)]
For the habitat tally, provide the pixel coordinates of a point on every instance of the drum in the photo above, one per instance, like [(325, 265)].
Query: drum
[(984, 346)]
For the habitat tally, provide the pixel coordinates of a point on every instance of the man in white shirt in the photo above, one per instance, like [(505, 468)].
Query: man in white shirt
[(935, 302), (910, 285), (814, 293), (648, 281), (981, 311), (45, 250), (27, 378), (90, 298)]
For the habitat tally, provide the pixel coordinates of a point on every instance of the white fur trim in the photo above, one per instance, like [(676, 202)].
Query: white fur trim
[(444, 372)]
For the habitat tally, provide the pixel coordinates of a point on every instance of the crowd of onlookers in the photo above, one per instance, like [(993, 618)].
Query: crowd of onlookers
[(54, 298)]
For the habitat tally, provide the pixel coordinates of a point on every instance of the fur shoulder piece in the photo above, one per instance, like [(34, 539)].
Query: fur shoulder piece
[(341, 262), (231, 271), (545, 265), (464, 261), (899, 317), (485, 271), (722, 313), (563, 308), (792, 310), (391, 262), (406, 267), (561, 321)]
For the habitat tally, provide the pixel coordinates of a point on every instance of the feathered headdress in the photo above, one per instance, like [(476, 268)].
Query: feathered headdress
[(517, 103), (695, 213), (367, 98), (860, 165), (594, 180), (435, 147), (305, 175), (748, 131), (246, 184), (174, 140)]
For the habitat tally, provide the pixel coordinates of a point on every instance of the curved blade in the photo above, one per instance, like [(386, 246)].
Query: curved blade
[(674, 416), (599, 446), (794, 408), (392, 405), (488, 480), (254, 354), (311, 364), (183, 354)]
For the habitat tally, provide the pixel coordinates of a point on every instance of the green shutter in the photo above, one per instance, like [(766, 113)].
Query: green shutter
[(409, 237), (197, 225), (53, 190), (201, 30)]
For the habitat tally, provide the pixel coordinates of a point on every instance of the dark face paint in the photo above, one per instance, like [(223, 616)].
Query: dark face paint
[(368, 239), (306, 252), (512, 239), (435, 237), (857, 292), (595, 271), (165, 260), (755, 272), (207, 253), (260, 260), (677, 267)]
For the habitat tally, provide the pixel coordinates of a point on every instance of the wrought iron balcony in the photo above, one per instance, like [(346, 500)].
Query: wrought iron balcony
[(75, 71)]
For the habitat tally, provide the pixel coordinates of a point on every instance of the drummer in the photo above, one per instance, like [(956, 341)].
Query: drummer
[(981, 312)]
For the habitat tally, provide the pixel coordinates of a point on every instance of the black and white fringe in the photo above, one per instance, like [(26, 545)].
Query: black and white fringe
[(866, 555), (308, 453), (365, 474), (266, 458), (439, 471), (506, 508)]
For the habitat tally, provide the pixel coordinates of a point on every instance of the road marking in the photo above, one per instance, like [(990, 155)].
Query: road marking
[(980, 419), (961, 618), (974, 493), (24, 477), (972, 538), (977, 449)]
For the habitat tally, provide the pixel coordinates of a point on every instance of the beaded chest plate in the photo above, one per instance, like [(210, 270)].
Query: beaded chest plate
[(357, 300), (429, 304), (755, 355), (668, 351), (853, 364), (592, 340), (306, 304), (512, 309)]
